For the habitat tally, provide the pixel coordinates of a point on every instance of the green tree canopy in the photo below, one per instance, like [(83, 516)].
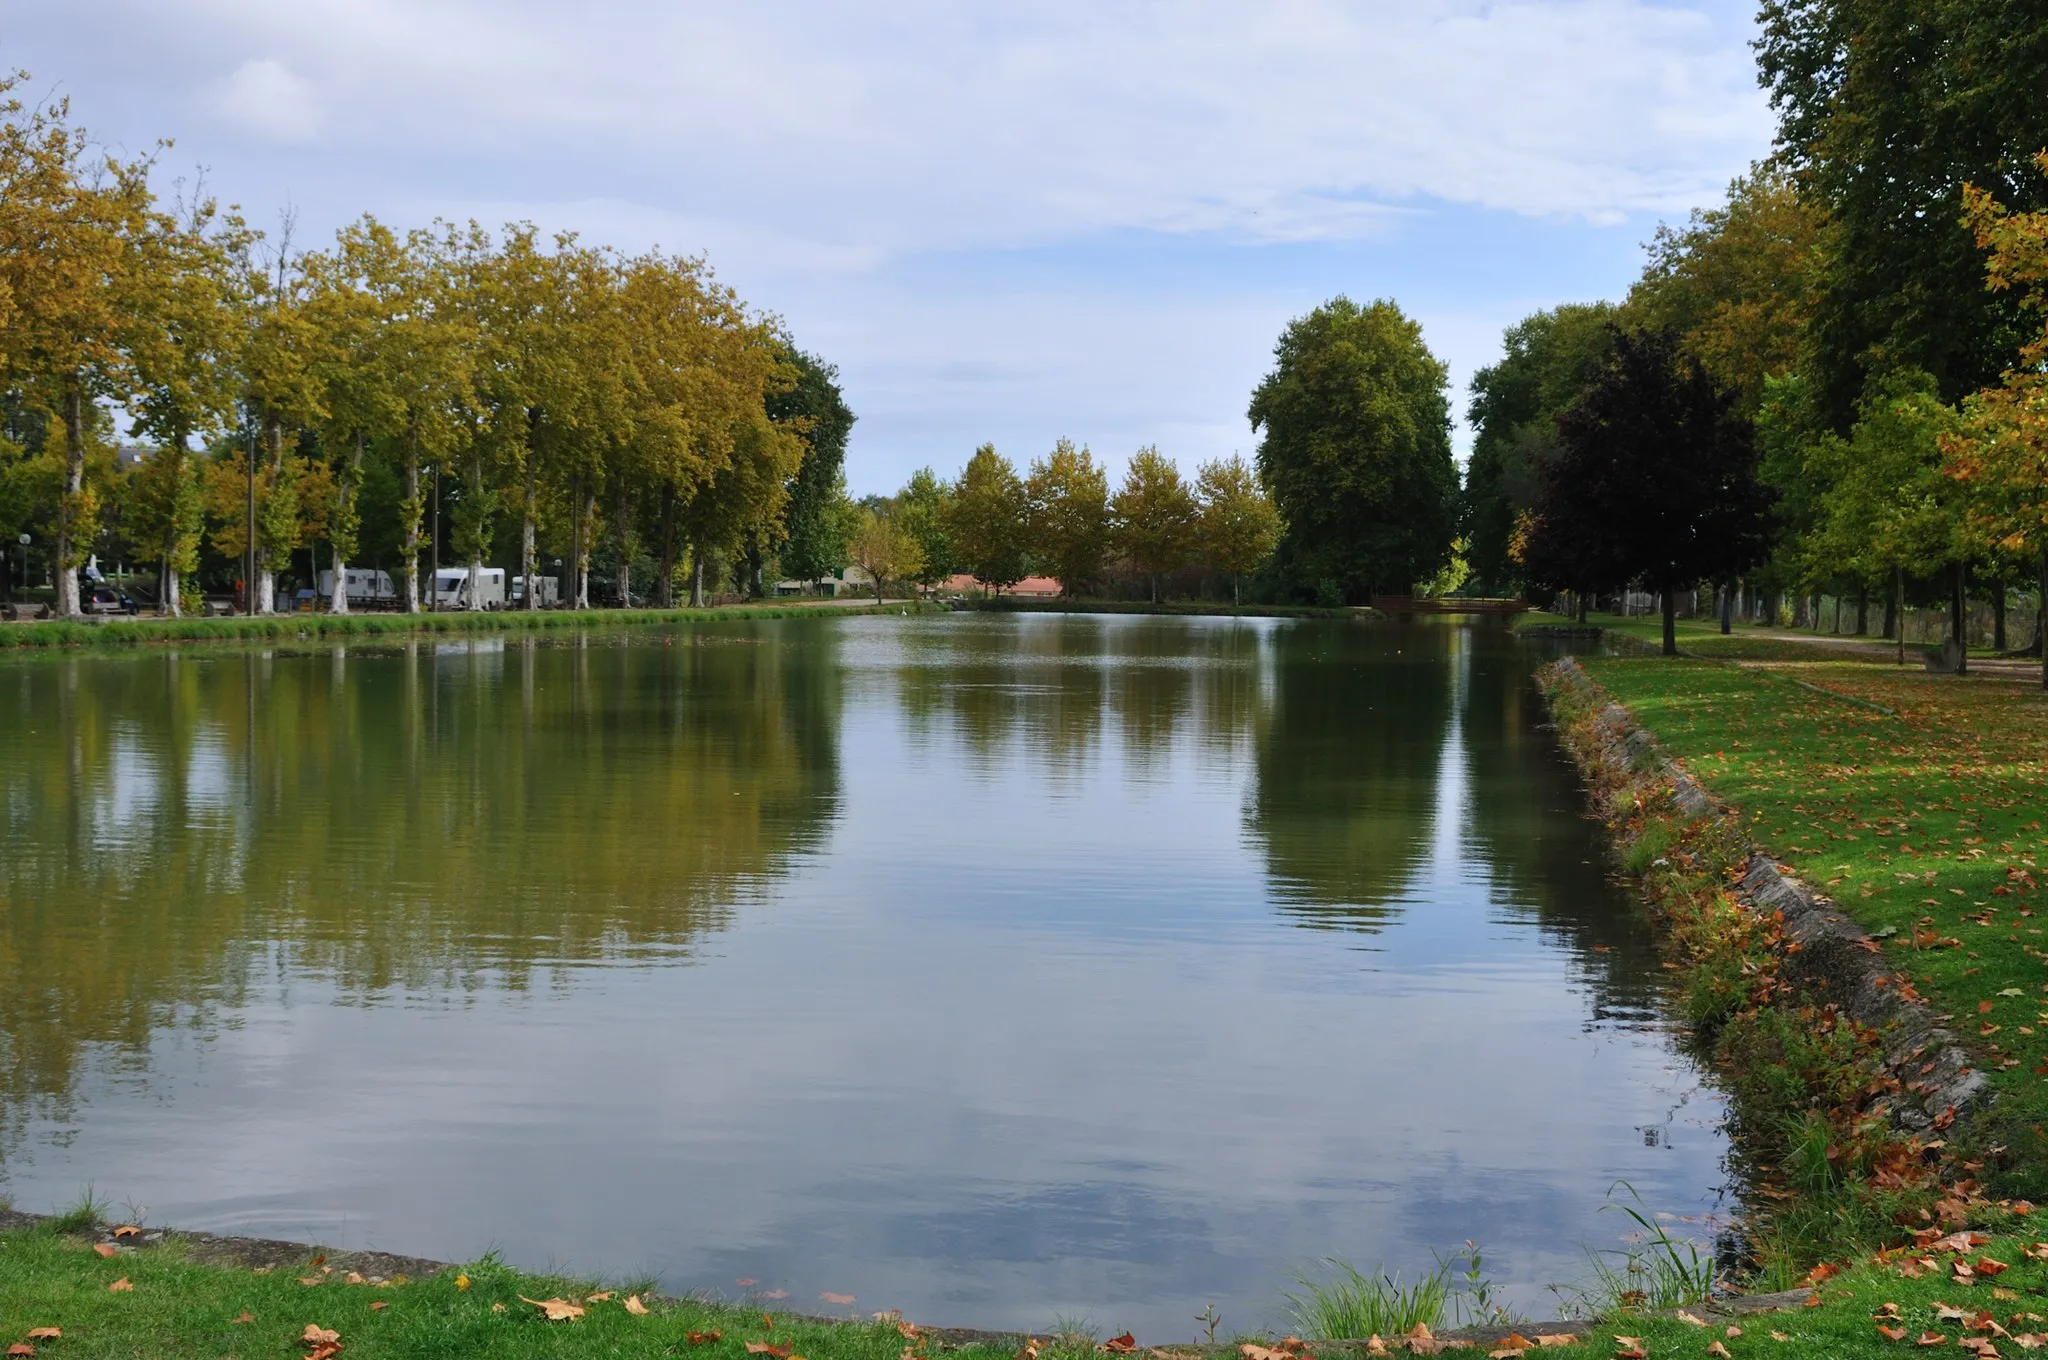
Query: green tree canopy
[(1550, 356), (1655, 479), (1155, 513), (815, 542), (1886, 110), (1068, 509), (925, 505), (1737, 282), (1238, 525), (1356, 448), (1889, 509), (989, 520)]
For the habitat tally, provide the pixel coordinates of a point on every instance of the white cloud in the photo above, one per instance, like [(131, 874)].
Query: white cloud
[(950, 125), (264, 99), (1087, 217)]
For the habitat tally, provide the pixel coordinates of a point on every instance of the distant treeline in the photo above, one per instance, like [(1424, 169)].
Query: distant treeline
[(539, 400)]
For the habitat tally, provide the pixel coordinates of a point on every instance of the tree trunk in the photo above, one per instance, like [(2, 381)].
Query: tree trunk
[(338, 603), (412, 525), (167, 591), (625, 526), (1670, 622), (755, 567), (72, 500), (1863, 609), (1728, 608), (587, 511), (527, 558), (2040, 615), (665, 587), (696, 578), (434, 548), (1894, 623), (1998, 614), (1579, 601), (1957, 629), (575, 582), (266, 579)]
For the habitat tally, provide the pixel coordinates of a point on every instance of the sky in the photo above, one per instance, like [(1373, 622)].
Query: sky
[(1003, 223)]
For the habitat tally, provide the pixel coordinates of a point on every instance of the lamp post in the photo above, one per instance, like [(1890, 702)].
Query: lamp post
[(24, 564), (558, 583)]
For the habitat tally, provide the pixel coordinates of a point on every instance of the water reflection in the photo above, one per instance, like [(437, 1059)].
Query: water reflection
[(416, 820), (1348, 769), (993, 968)]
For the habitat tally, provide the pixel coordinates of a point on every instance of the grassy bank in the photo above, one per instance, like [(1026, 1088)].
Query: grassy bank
[(1827, 1174), (177, 1306), (1917, 803), (161, 1299), (138, 632)]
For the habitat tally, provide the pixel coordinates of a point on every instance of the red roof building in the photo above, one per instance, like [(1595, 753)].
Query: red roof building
[(1030, 588)]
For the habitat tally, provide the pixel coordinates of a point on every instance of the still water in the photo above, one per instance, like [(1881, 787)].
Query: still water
[(994, 969)]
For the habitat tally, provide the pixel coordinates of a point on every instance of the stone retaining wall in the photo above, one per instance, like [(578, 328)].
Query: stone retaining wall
[(1825, 951)]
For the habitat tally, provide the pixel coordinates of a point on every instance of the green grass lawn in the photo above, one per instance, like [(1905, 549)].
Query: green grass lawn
[(1917, 802), (1750, 642), (173, 1307)]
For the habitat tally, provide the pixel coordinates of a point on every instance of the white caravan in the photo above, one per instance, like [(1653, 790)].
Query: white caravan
[(547, 589), (365, 588), (451, 589)]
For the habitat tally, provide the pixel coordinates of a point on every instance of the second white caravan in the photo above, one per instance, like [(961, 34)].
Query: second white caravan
[(451, 589)]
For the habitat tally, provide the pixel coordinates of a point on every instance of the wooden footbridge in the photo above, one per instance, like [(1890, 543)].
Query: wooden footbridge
[(1410, 605)]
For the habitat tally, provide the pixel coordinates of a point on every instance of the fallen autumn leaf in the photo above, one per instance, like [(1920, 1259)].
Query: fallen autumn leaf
[(557, 1310), (121, 1286)]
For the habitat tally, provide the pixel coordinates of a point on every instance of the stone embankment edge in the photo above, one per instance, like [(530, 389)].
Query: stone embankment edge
[(1821, 948), (253, 1252)]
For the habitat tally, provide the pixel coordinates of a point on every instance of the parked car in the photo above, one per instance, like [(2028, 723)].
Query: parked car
[(109, 600)]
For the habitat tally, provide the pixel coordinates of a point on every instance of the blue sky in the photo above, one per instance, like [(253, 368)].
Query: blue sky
[(1006, 223)]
